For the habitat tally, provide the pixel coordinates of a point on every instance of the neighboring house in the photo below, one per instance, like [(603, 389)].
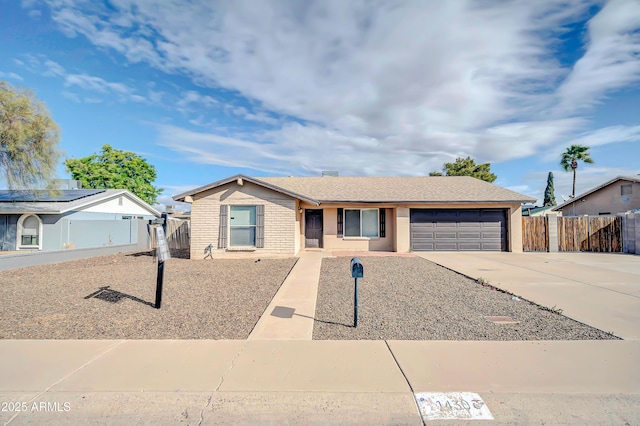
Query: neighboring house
[(77, 218), (538, 211), (619, 195), (287, 214)]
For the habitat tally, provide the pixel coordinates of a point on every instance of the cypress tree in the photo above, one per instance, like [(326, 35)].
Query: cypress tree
[(549, 196)]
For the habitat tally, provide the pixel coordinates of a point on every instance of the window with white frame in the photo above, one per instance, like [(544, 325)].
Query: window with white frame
[(361, 223), (29, 229), (242, 226)]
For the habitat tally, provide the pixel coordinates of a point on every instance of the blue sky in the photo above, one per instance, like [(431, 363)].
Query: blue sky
[(207, 89)]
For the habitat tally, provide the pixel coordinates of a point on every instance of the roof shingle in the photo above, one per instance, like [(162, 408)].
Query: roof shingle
[(444, 189)]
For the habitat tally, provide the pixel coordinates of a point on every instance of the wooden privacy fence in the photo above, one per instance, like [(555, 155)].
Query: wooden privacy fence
[(535, 235), (177, 234), (581, 233)]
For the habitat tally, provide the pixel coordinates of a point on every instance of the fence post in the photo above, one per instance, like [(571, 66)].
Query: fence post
[(552, 230), (636, 218)]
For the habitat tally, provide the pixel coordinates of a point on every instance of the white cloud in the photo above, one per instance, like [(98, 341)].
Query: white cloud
[(598, 137), (40, 64), (11, 75), (385, 87), (72, 96), (53, 69), (612, 58)]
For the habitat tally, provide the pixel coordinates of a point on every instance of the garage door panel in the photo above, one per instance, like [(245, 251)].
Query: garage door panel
[(442, 224), (422, 235), (486, 246), (423, 226), (446, 235), (424, 247), (458, 230), (491, 225), (469, 246), (443, 246), (491, 235), (421, 216), (470, 235), (469, 224), (444, 215), (469, 215)]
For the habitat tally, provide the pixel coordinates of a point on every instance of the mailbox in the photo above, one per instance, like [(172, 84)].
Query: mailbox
[(357, 270)]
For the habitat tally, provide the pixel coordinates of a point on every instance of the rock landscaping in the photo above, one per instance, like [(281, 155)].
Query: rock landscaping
[(111, 297), (414, 299)]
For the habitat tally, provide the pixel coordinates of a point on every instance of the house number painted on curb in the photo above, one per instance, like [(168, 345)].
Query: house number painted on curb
[(452, 406)]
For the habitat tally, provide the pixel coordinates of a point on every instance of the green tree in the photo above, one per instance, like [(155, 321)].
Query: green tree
[(549, 195), (115, 169), (569, 160), (28, 139), (467, 167)]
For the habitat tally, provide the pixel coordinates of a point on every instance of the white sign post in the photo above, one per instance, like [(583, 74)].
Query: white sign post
[(162, 252)]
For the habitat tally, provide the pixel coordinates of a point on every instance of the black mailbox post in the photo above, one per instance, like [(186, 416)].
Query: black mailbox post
[(357, 271)]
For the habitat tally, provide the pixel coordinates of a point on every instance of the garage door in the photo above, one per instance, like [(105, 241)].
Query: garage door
[(458, 230)]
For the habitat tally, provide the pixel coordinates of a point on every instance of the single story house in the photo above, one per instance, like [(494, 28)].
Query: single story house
[(619, 195), (75, 218), (283, 215)]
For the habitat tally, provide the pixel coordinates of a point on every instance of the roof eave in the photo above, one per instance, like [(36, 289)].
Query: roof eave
[(422, 202), (30, 212)]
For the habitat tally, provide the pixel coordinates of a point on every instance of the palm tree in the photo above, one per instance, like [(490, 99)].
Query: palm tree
[(569, 160)]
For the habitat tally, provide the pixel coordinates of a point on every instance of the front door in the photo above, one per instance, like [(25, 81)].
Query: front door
[(313, 229)]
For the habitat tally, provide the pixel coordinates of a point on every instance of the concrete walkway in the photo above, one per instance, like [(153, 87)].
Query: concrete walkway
[(598, 289), (313, 382), (290, 314)]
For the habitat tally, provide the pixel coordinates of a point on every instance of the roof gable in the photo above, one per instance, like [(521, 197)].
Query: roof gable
[(240, 179), (67, 201), (633, 179)]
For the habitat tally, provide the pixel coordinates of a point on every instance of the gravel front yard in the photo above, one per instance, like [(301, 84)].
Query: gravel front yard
[(414, 299), (202, 299)]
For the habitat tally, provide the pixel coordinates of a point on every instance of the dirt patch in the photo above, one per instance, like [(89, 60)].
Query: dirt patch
[(112, 297), (414, 299)]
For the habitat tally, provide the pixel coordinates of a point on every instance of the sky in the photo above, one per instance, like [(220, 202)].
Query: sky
[(206, 89)]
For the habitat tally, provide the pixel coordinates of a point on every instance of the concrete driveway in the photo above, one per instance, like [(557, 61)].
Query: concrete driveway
[(598, 289)]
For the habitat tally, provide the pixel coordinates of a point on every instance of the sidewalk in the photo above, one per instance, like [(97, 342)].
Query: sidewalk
[(314, 382), (290, 314)]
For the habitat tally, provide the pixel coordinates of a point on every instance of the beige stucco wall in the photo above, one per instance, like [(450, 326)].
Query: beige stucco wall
[(605, 200), (279, 218), (333, 242), (403, 230), (514, 228)]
